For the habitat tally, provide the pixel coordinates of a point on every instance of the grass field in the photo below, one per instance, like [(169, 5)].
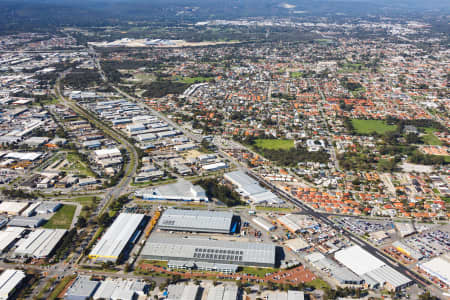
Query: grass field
[(369, 126), (318, 284), (296, 74), (76, 165), (274, 144), (429, 138), (191, 80), (62, 219), (260, 272)]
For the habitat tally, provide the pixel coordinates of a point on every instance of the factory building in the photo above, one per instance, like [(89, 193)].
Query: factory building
[(439, 268), (198, 221), (39, 243), (371, 268), (112, 289), (122, 233), (182, 292), (12, 208), (82, 288), (10, 280), (264, 224), (251, 189), (182, 190), (199, 250), (223, 292), (9, 236), (289, 295), (298, 223)]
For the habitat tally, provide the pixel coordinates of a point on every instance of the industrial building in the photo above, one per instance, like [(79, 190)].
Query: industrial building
[(298, 223), (82, 288), (439, 268), (9, 282), (27, 222), (182, 292), (251, 189), (9, 236), (193, 250), (289, 295), (223, 292), (125, 230), (182, 190), (12, 208), (264, 224), (39, 243), (298, 244), (197, 221), (112, 289), (371, 268)]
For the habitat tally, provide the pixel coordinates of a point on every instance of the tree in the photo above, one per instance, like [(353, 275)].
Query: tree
[(82, 222)]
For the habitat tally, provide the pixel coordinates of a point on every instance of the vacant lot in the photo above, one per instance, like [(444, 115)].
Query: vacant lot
[(274, 144), (369, 126), (429, 138), (62, 219)]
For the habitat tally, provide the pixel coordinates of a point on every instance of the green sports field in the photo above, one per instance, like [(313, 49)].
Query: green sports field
[(369, 126), (273, 144)]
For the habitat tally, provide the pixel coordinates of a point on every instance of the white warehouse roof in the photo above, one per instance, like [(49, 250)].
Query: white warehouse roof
[(438, 267), (196, 220), (117, 237), (9, 235), (358, 260), (9, 280), (40, 243)]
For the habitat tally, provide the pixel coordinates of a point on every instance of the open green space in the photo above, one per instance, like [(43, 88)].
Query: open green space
[(260, 272), (273, 144), (369, 126), (76, 165), (191, 80), (62, 219), (84, 200), (296, 74), (318, 284), (429, 138)]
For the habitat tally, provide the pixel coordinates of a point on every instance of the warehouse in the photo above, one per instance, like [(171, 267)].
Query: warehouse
[(166, 247), (82, 288), (182, 292), (12, 208), (223, 292), (366, 265), (298, 244), (289, 295), (297, 223), (122, 232), (40, 243), (27, 222), (182, 190), (9, 236), (9, 282), (439, 268), (120, 289), (197, 221), (264, 224), (250, 188)]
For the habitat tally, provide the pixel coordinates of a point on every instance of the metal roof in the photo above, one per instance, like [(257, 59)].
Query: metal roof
[(9, 279), (109, 287), (82, 287), (196, 220), (182, 292), (387, 274), (9, 235), (358, 260), (117, 236), (181, 190), (223, 292), (202, 249), (439, 267), (40, 243)]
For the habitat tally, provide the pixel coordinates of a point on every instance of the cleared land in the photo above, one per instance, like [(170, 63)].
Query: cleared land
[(274, 144), (62, 219), (430, 139), (369, 126)]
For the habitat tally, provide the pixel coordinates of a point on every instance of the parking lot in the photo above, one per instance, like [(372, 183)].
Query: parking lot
[(432, 243)]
